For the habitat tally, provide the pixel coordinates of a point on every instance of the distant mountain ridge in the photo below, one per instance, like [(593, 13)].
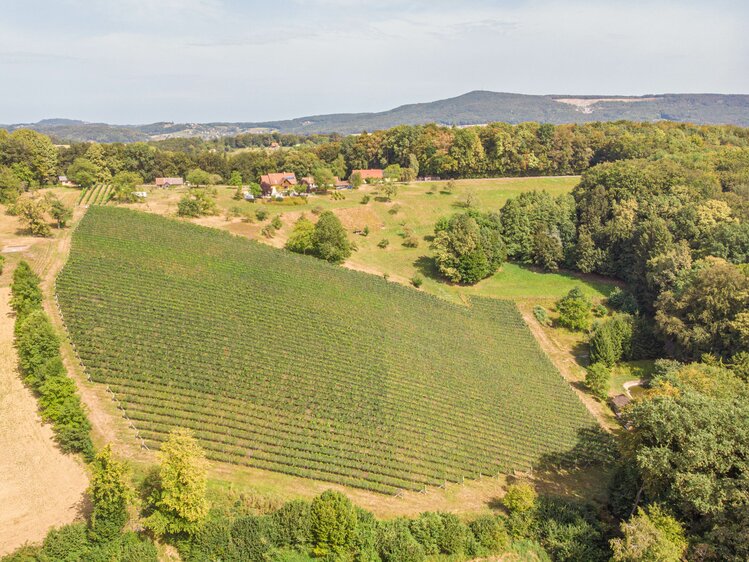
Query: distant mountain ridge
[(473, 108)]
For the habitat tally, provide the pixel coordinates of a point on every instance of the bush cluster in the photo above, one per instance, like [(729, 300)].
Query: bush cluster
[(42, 368)]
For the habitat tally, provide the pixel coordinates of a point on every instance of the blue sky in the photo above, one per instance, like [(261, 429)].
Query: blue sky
[(139, 61)]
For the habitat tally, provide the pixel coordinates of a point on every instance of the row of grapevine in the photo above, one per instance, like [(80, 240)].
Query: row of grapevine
[(287, 363)]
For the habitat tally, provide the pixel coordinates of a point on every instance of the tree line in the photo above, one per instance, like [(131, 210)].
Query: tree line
[(29, 158)]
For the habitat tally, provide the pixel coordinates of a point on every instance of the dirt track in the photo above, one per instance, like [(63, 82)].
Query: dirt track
[(40, 487)]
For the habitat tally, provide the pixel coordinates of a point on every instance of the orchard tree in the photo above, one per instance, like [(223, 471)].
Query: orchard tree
[(59, 212), (179, 503), (390, 190), (32, 212), (110, 494)]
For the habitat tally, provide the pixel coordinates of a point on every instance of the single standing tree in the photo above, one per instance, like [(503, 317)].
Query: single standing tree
[(324, 178), (355, 180), (301, 239), (329, 239), (235, 179), (575, 310), (110, 495), (650, 536), (180, 502), (83, 172), (59, 212), (197, 177), (333, 523), (32, 212)]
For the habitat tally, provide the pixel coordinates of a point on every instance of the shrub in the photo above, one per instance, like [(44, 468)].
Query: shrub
[(541, 315), (574, 310), (333, 523), (2, 263), (570, 531), (365, 199), (395, 543), (427, 529), (197, 203), (598, 380), (268, 231), (365, 232), (520, 498), (249, 535), (395, 209), (490, 533), (69, 542), (417, 280), (261, 214), (276, 222), (317, 210), (599, 311), (292, 524), (25, 292), (384, 243), (454, 533)]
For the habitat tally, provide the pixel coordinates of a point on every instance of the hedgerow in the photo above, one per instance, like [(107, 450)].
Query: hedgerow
[(41, 366)]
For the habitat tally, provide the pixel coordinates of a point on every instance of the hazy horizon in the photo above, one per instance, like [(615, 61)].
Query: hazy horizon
[(144, 61)]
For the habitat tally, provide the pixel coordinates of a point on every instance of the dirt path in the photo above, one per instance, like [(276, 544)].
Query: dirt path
[(40, 487), (567, 366)]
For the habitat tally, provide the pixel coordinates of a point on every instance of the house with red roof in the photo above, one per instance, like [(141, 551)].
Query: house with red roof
[(277, 181)]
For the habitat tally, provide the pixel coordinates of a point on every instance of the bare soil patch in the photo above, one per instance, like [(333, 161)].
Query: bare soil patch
[(40, 486)]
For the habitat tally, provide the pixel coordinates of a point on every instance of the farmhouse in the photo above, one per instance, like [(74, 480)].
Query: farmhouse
[(372, 174), (308, 182), (63, 180), (169, 182), (279, 181)]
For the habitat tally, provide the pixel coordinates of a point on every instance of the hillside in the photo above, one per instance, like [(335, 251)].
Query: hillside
[(286, 363), (473, 108)]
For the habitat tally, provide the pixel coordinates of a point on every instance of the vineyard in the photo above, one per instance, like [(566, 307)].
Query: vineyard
[(99, 194), (284, 362)]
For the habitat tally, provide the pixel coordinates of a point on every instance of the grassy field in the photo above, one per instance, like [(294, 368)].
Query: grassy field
[(416, 208), (287, 363)]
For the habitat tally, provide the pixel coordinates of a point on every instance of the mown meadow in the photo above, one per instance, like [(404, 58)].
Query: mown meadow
[(287, 363)]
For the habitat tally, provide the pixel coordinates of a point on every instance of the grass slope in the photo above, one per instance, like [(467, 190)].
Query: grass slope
[(287, 363)]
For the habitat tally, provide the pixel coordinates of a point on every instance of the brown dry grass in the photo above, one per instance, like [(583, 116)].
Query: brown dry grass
[(40, 486)]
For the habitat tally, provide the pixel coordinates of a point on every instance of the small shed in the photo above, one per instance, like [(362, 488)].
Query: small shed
[(169, 182)]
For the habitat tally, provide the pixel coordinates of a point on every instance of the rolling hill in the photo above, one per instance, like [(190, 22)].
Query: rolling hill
[(473, 108)]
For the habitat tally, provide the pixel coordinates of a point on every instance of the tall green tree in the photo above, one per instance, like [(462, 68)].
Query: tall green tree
[(110, 493), (329, 239), (180, 503)]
